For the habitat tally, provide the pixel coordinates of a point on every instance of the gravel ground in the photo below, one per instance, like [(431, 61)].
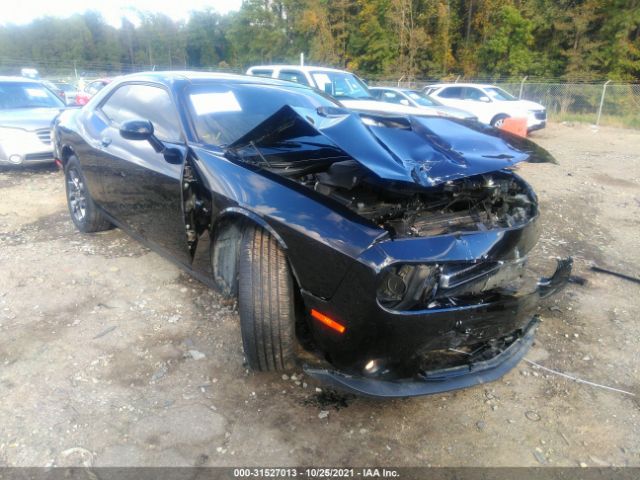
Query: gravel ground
[(110, 355)]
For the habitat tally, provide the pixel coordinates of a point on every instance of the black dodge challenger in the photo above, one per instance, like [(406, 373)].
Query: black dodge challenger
[(387, 254)]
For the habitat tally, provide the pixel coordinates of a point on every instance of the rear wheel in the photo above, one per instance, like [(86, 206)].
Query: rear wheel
[(84, 213), (498, 120), (266, 302)]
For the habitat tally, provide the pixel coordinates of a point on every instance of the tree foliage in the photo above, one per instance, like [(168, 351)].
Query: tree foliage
[(571, 39)]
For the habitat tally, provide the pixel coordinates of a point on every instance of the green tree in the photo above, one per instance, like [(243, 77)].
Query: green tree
[(507, 50)]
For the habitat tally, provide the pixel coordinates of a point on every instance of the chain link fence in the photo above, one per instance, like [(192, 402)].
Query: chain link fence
[(603, 103), (567, 102)]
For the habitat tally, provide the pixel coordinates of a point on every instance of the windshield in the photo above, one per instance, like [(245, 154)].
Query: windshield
[(422, 99), (222, 113), (498, 94), (341, 85), (27, 95)]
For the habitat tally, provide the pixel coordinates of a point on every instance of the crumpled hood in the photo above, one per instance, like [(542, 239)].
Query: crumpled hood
[(28, 118), (417, 149), (378, 106)]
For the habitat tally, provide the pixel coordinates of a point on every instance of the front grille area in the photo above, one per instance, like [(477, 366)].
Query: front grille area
[(541, 115), (472, 279), (44, 134)]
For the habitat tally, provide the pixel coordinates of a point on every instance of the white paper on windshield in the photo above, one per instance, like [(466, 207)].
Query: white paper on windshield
[(205, 103), (36, 92)]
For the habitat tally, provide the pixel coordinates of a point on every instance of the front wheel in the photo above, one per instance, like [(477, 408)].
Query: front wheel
[(84, 213), (266, 302), (498, 120)]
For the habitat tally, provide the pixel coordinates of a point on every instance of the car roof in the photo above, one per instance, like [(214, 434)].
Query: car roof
[(481, 85), (304, 68), (171, 77)]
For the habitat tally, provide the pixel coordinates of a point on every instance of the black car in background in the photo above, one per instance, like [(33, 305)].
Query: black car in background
[(391, 249)]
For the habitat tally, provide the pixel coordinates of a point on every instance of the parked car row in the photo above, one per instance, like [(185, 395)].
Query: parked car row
[(471, 102), (486, 103)]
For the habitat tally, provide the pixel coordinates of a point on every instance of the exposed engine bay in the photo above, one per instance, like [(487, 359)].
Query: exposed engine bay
[(480, 203)]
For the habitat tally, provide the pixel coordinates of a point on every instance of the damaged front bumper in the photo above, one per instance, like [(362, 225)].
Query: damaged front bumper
[(485, 362), (436, 381)]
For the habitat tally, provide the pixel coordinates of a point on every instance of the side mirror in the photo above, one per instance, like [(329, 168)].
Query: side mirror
[(141, 130), (404, 101), (484, 99), (136, 130)]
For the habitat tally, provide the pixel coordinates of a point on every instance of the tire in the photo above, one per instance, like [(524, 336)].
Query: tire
[(84, 213), (498, 120), (266, 302)]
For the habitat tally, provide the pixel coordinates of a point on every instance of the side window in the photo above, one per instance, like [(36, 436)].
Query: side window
[(144, 102), (451, 92), (471, 93), (392, 97), (262, 72), (293, 76)]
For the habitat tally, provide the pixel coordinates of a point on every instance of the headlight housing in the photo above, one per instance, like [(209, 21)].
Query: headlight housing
[(407, 286)]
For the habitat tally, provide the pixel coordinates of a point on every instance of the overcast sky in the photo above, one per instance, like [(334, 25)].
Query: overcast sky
[(24, 11)]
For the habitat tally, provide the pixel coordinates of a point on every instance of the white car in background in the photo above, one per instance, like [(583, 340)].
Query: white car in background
[(489, 103), (418, 99), (344, 86)]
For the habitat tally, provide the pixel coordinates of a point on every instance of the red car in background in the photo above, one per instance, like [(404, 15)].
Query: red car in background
[(90, 90)]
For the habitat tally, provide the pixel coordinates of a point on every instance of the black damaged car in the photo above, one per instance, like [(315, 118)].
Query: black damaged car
[(387, 254)]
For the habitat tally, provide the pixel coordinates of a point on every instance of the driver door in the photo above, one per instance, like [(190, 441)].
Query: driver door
[(141, 189)]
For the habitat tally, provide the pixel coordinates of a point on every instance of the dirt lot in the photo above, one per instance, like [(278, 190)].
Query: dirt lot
[(110, 355)]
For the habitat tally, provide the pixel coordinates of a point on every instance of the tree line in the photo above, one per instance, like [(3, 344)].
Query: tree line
[(572, 40)]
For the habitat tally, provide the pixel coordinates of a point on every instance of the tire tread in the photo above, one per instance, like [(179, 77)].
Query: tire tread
[(266, 302)]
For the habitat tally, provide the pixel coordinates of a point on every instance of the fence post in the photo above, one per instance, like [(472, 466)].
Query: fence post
[(400, 80), (522, 85), (604, 89)]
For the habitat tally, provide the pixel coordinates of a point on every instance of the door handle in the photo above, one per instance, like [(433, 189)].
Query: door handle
[(105, 141)]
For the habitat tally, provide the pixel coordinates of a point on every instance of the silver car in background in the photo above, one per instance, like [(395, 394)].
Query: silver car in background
[(416, 98), (27, 111)]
